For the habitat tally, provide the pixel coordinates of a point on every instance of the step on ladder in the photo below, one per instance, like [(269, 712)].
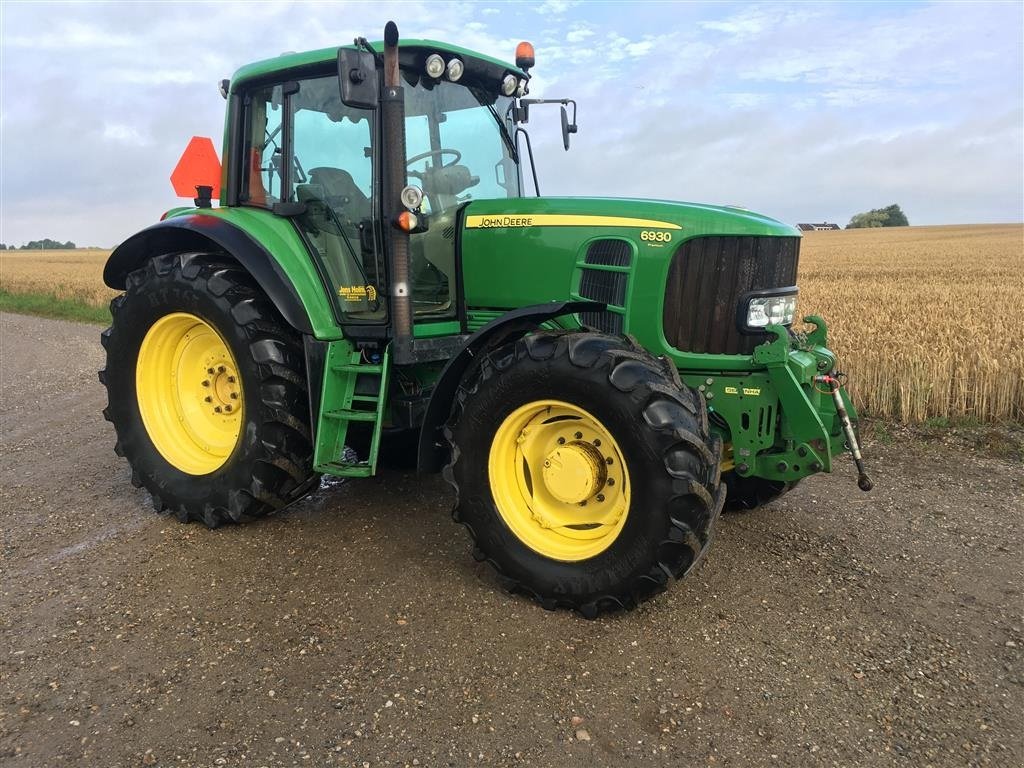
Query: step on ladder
[(341, 405)]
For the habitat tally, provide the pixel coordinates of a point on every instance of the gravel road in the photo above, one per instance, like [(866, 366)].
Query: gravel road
[(354, 629)]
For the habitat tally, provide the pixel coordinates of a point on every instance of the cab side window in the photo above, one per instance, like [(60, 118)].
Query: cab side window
[(262, 156)]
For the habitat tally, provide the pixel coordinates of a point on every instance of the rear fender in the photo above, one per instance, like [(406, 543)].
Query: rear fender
[(308, 312)]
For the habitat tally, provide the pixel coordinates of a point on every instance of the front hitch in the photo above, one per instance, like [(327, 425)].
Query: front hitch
[(863, 481)]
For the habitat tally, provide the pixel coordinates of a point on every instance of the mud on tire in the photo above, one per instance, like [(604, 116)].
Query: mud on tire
[(271, 464), (662, 428)]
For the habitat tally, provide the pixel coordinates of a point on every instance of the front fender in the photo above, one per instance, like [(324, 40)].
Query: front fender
[(508, 327)]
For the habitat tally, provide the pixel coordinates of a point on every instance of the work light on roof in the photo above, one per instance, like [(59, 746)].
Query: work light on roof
[(435, 66), (509, 85), (455, 69)]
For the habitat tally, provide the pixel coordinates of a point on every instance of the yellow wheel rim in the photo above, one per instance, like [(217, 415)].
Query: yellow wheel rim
[(189, 393), (559, 480)]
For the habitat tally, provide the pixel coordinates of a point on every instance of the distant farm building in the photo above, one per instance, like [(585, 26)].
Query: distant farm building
[(824, 227)]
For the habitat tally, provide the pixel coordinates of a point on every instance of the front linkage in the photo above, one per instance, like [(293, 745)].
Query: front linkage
[(782, 425)]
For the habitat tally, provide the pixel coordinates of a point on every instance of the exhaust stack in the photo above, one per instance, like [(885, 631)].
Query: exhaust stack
[(394, 180)]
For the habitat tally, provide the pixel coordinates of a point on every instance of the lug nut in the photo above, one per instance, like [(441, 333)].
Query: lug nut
[(208, 399), (578, 435), (234, 395), (782, 466), (231, 379), (206, 383), (611, 481), (600, 497), (561, 441), (221, 369), (227, 408), (597, 443), (609, 460), (583, 503), (210, 370), (218, 409)]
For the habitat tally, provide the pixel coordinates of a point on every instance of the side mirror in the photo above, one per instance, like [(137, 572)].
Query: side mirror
[(357, 74), (567, 127)]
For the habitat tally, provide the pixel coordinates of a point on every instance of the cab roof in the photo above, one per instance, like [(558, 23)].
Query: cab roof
[(268, 67)]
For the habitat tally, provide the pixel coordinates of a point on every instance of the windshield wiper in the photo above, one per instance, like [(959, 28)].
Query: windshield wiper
[(504, 132)]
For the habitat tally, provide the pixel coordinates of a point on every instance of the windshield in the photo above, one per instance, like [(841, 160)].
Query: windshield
[(458, 148)]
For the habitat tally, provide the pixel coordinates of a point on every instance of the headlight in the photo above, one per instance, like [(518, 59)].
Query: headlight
[(455, 69), (435, 66), (768, 308)]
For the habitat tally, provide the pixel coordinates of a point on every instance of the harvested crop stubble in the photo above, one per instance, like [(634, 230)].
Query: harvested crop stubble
[(76, 275), (926, 320)]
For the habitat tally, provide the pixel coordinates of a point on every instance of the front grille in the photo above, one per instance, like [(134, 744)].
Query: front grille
[(607, 287), (609, 253), (705, 281)]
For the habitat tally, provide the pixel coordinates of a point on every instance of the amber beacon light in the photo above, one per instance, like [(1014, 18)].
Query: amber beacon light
[(524, 56)]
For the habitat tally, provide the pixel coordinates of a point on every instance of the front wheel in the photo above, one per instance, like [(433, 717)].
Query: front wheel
[(206, 388), (585, 472)]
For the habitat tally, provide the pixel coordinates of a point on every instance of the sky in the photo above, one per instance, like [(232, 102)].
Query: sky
[(802, 111)]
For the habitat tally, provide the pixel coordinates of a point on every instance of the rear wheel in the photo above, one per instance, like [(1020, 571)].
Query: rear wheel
[(585, 472), (206, 390)]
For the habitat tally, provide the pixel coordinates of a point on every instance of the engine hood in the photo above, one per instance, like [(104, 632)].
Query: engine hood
[(689, 219), (527, 251)]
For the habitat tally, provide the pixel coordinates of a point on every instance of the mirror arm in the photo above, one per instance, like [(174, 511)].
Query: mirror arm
[(523, 109), (529, 152)]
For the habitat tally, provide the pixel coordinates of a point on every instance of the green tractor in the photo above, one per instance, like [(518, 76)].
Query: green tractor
[(592, 375)]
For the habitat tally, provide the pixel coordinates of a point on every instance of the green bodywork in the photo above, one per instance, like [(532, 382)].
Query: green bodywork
[(765, 405), (506, 268)]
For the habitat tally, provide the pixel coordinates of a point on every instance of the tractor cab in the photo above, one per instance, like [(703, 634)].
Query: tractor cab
[(318, 157)]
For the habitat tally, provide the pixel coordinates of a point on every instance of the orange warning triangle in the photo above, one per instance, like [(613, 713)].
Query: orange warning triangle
[(198, 166)]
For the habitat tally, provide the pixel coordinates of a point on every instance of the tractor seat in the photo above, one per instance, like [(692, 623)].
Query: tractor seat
[(342, 193)]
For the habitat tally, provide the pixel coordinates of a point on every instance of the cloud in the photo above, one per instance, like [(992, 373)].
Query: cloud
[(578, 33), (556, 7), (802, 111), (124, 134)]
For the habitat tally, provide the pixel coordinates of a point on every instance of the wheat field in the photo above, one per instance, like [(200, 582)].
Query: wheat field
[(70, 275), (927, 321)]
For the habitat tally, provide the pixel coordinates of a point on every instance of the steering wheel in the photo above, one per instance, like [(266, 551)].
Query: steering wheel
[(431, 153)]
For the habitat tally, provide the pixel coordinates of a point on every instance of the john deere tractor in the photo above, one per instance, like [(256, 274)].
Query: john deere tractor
[(592, 375)]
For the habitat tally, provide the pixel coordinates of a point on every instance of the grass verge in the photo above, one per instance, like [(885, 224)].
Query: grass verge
[(42, 305)]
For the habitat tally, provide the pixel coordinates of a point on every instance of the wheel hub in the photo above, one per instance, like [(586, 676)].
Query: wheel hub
[(574, 472), (189, 393), (559, 480), (224, 390)]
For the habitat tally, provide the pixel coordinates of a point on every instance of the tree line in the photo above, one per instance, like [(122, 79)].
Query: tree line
[(891, 216), (46, 244)]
